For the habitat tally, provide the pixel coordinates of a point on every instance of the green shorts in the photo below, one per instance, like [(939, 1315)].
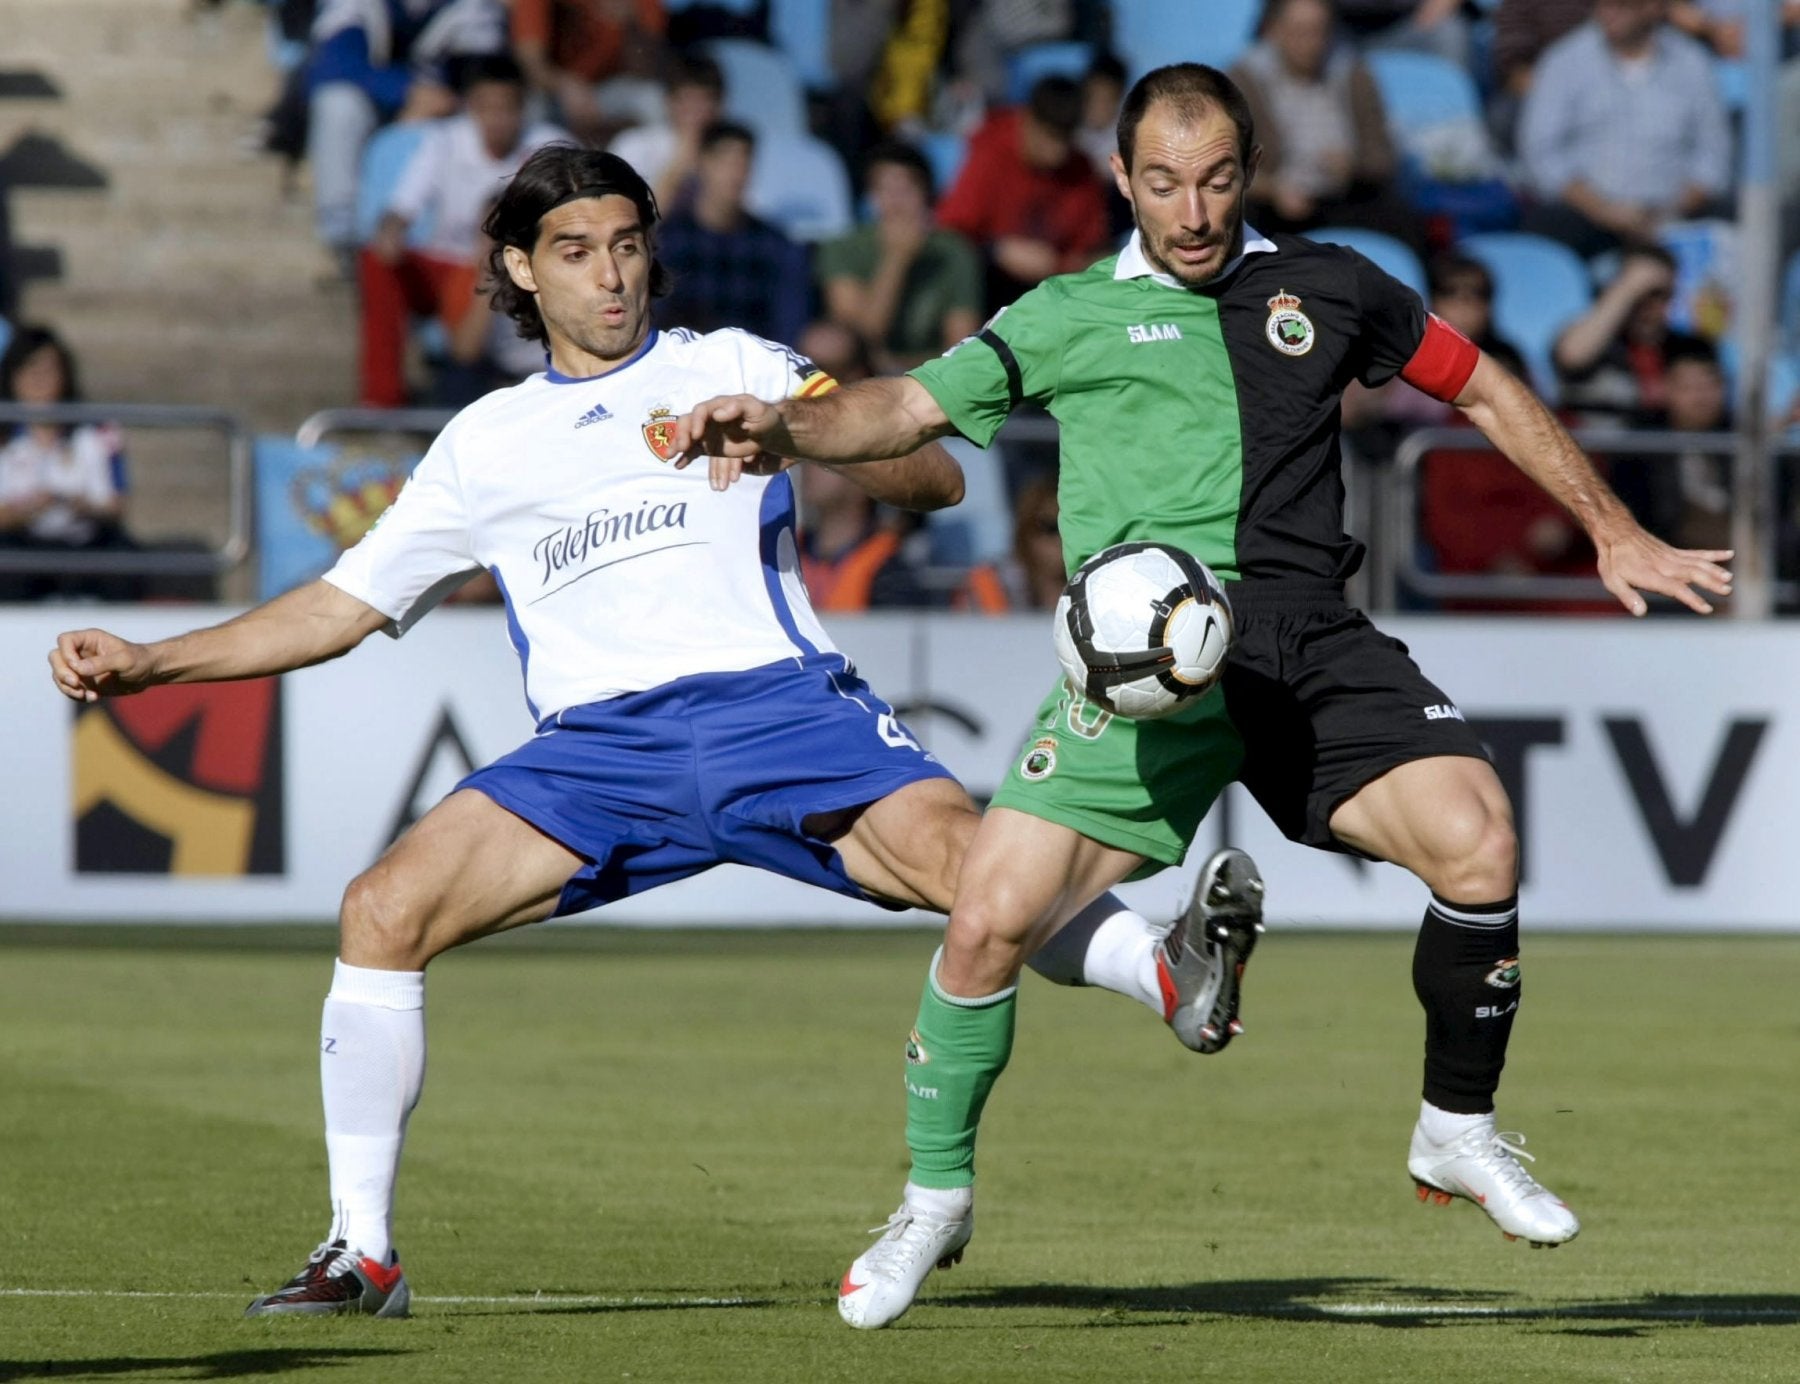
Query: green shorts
[(1139, 786)]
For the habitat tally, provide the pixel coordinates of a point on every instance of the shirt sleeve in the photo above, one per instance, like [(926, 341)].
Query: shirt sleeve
[(417, 552), (1711, 164), (1390, 322), (773, 371), (1016, 357)]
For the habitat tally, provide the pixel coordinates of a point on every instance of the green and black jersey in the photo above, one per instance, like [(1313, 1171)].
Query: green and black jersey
[(1202, 418)]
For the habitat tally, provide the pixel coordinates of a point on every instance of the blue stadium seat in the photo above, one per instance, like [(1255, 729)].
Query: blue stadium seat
[(762, 89), (384, 159), (1422, 92), (802, 30), (799, 183), (6, 333), (1387, 253), (945, 153), (1151, 33), (1540, 285), (1035, 61)]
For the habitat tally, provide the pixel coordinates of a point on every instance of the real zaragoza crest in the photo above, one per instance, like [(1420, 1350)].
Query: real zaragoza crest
[(659, 433), (1290, 331)]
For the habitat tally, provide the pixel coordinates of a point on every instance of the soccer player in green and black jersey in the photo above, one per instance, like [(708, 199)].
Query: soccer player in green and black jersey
[(1197, 378)]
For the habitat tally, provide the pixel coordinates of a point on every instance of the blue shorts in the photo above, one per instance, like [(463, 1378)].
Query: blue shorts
[(655, 786)]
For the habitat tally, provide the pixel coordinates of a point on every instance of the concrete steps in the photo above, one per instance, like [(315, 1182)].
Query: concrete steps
[(193, 277)]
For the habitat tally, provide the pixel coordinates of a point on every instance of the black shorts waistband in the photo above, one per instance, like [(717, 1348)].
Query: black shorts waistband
[(1286, 593)]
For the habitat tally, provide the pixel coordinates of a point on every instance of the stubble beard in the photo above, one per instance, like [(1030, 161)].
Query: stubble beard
[(1153, 251)]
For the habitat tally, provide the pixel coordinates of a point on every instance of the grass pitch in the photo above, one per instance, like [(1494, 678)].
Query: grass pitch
[(650, 1157)]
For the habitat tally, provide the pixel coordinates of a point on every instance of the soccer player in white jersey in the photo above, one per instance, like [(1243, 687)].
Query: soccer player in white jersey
[(690, 708)]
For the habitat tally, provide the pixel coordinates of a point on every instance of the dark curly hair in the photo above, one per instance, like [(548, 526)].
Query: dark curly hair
[(556, 174)]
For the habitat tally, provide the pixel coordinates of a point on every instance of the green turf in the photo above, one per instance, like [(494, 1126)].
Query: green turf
[(647, 1121)]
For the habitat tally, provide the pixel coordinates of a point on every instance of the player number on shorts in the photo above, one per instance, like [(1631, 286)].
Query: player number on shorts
[(895, 734)]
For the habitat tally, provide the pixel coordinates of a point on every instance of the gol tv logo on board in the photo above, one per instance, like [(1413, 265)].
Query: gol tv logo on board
[(180, 781)]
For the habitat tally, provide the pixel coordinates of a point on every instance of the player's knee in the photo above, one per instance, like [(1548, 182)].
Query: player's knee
[(378, 926), (984, 945), (1476, 852)]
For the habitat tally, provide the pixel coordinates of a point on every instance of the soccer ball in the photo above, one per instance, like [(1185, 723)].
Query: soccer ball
[(1143, 629)]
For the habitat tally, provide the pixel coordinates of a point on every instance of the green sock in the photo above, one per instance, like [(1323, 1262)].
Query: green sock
[(956, 1051)]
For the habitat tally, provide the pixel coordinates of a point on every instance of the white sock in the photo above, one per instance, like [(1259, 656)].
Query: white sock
[(1446, 1127), (371, 1069), (948, 1202), (1109, 946)]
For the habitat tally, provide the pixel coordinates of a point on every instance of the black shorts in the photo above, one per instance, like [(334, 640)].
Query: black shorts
[(1326, 703)]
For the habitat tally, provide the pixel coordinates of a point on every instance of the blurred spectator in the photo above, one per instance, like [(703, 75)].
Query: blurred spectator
[(1623, 130), (1462, 294), (62, 488), (850, 560), (905, 79), (1326, 156), (1613, 359), (458, 170), (1685, 498), (988, 34), (1102, 96), (376, 60), (836, 350), (594, 58), (1423, 26), (486, 351), (907, 287), (1032, 576), (1719, 24), (1523, 29), (666, 154), (731, 269), (1027, 196)]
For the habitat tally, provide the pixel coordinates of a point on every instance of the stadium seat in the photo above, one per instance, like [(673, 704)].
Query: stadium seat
[(384, 159), (802, 30), (799, 183), (945, 153), (1388, 253), (1539, 286), (1151, 33), (1434, 114), (1035, 61), (762, 88), (6, 333), (1788, 323), (980, 529)]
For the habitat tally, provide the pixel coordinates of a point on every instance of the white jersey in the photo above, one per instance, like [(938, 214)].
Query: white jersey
[(620, 573)]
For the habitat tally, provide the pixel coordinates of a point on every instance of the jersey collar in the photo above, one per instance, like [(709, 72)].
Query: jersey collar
[(1134, 265), (555, 376)]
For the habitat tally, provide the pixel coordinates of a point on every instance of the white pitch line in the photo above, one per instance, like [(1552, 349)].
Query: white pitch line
[(1591, 1310)]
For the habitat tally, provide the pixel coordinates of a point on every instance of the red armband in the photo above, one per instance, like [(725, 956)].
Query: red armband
[(1444, 361)]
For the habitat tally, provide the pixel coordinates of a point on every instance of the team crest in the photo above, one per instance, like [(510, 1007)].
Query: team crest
[(1040, 760), (659, 433), (1290, 331), (1505, 976), (916, 1056)]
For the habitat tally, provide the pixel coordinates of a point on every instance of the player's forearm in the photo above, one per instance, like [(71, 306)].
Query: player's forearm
[(872, 420), (927, 479), (309, 625), (1516, 421)]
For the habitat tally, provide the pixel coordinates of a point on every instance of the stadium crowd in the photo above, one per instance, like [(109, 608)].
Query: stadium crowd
[(869, 180)]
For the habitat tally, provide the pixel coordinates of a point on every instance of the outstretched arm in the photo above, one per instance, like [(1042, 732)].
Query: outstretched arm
[(308, 625), (1631, 560), (872, 420)]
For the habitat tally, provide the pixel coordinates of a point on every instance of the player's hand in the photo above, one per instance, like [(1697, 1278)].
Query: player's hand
[(87, 665), (1636, 561), (729, 431)]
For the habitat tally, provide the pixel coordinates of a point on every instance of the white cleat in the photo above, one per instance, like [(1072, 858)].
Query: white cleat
[(884, 1280), (1200, 966), (1483, 1167)]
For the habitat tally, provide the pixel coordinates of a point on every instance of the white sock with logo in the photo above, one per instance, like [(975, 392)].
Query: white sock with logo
[(1445, 1127), (371, 1070), (1109, 946)]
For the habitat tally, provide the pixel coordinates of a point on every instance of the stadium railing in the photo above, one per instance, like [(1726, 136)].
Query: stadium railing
[(1398, 575), (148, 561)]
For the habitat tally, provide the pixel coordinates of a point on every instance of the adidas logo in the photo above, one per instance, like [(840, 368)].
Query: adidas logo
[(597, 414)]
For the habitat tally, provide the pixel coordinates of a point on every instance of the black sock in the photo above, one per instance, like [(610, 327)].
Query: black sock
[(1466, 974)]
